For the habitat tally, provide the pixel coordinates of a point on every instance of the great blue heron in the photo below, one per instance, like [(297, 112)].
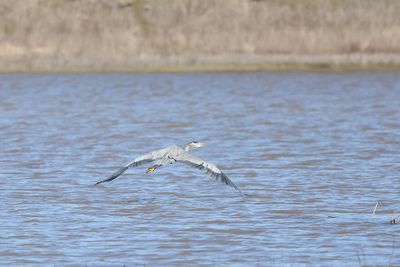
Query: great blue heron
[(173, 154)]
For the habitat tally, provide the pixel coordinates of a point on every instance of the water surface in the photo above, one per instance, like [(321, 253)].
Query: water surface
[(314, 152)]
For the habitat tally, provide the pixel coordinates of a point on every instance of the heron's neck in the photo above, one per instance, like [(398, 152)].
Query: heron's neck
[(188, 147)]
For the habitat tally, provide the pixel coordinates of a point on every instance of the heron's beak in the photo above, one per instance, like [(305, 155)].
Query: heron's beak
[(200, 144), (150, 170)]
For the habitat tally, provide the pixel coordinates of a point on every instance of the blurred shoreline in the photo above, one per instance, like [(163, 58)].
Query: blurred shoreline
[(190, 35), (231, 63)]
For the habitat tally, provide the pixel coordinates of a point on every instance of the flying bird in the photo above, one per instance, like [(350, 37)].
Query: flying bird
[(175, 154)]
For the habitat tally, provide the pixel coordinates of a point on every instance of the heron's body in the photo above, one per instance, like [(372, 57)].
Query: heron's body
[(175, 154)]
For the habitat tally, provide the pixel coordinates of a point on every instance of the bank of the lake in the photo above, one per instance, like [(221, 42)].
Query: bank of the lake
[(188, 35)]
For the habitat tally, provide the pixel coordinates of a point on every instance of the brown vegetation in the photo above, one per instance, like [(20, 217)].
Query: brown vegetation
[(158, 34)]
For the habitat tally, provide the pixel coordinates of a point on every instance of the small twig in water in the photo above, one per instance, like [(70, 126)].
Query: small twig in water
[(373, 213), (393, 220)]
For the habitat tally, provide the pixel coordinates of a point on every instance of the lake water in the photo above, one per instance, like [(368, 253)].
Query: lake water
[(314, 152)]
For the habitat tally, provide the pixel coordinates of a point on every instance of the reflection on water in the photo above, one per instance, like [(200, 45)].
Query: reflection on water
[(314, 151)]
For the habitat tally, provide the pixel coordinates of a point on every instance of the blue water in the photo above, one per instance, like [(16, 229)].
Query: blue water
[(314, 152)]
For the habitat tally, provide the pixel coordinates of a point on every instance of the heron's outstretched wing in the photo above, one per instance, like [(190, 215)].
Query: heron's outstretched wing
[(149, 157), (209, 168)]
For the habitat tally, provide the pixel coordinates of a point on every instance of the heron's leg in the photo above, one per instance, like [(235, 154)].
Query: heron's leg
[(152, 168)]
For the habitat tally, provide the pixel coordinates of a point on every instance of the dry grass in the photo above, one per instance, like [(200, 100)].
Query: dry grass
[(140, 34)]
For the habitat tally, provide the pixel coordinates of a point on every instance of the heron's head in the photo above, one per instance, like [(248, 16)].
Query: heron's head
[(194, 144)]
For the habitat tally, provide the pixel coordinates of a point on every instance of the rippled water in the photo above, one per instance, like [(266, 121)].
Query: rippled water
[(314, 152)]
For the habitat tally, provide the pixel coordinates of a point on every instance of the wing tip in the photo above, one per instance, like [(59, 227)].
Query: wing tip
[(227, 181), (98, 183), (114, 175), (103, 181)]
